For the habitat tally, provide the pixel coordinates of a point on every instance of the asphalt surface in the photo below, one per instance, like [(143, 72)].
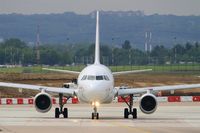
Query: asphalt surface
[(169, 118)]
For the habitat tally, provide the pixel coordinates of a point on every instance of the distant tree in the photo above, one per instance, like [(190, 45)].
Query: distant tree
[(13, 42), (126, 45), (138, 57), (81, 52), (188, 46), (91, 50), (120, 57), (197, 45), (2, 56), (106, 50), (179, 49), (15, 51), (65, 58), (28, 56), (160, 53), (12, 50), (49, 56)]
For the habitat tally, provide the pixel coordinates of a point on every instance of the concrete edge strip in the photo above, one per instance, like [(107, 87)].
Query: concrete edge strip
[(25, 101)]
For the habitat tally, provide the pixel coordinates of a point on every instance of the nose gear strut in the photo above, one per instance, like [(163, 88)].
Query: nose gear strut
[(95, 114)]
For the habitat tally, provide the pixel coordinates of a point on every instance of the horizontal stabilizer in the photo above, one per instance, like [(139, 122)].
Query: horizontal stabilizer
[(130, 72), (62, 71)]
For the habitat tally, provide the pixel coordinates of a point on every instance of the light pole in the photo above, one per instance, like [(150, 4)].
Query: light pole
[(112, 58), (175, 50)]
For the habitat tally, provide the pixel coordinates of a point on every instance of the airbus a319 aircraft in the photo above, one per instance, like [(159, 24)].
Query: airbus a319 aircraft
[(95, 85)]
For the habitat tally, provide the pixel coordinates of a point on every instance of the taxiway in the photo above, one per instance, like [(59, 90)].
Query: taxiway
[(169, 118)]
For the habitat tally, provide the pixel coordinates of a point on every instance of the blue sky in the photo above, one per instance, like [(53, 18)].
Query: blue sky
[(177, 7)]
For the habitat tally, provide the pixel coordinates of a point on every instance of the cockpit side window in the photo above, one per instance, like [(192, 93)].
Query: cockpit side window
[(91, 77), (100, 77), (106, 77), (84, 77)]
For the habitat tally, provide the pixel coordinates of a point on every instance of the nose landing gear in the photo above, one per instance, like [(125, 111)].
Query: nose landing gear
[(95, 114)]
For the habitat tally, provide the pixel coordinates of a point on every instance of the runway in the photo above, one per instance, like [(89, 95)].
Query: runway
[(169, 118)]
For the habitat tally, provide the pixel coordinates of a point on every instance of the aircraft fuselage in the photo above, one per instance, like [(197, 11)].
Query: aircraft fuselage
[(96, 84)]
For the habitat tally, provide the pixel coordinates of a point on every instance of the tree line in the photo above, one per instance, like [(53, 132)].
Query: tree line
[(14, 51)]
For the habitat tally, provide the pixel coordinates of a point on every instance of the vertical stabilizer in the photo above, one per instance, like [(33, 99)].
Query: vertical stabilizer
[(97, 47)]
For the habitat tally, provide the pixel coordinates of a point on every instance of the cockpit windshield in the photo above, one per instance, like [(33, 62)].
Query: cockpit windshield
[(93, 77), (99, 77)]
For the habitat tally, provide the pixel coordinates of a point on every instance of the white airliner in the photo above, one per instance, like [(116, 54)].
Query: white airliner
[(95, 85)]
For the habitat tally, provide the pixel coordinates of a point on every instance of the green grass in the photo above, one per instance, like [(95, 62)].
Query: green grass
[(36, 69), (72, 68), (156, 68)]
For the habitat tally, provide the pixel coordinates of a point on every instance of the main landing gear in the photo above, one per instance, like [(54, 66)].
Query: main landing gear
[(130, 111), (60, 110), (95, 114)]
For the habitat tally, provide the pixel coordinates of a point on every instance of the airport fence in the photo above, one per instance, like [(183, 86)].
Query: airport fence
[(192, 65)]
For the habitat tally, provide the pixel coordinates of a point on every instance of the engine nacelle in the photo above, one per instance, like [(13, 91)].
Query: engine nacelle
[(148, 103), (43, 102)]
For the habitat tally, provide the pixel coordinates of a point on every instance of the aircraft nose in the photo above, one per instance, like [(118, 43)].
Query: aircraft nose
[(96, 92)]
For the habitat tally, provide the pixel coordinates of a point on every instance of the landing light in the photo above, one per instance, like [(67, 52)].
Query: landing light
[(95, 104)]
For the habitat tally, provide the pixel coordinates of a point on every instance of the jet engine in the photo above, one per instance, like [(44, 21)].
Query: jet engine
[(43, 102), (148, 103)]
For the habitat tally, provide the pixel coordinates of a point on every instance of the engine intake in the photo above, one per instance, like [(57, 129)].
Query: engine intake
[(43, 102), (148, 103)]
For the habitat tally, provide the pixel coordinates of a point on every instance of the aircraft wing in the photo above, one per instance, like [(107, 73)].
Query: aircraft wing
[(130, 72), (69, 91), (62, 71), (123, 92)]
